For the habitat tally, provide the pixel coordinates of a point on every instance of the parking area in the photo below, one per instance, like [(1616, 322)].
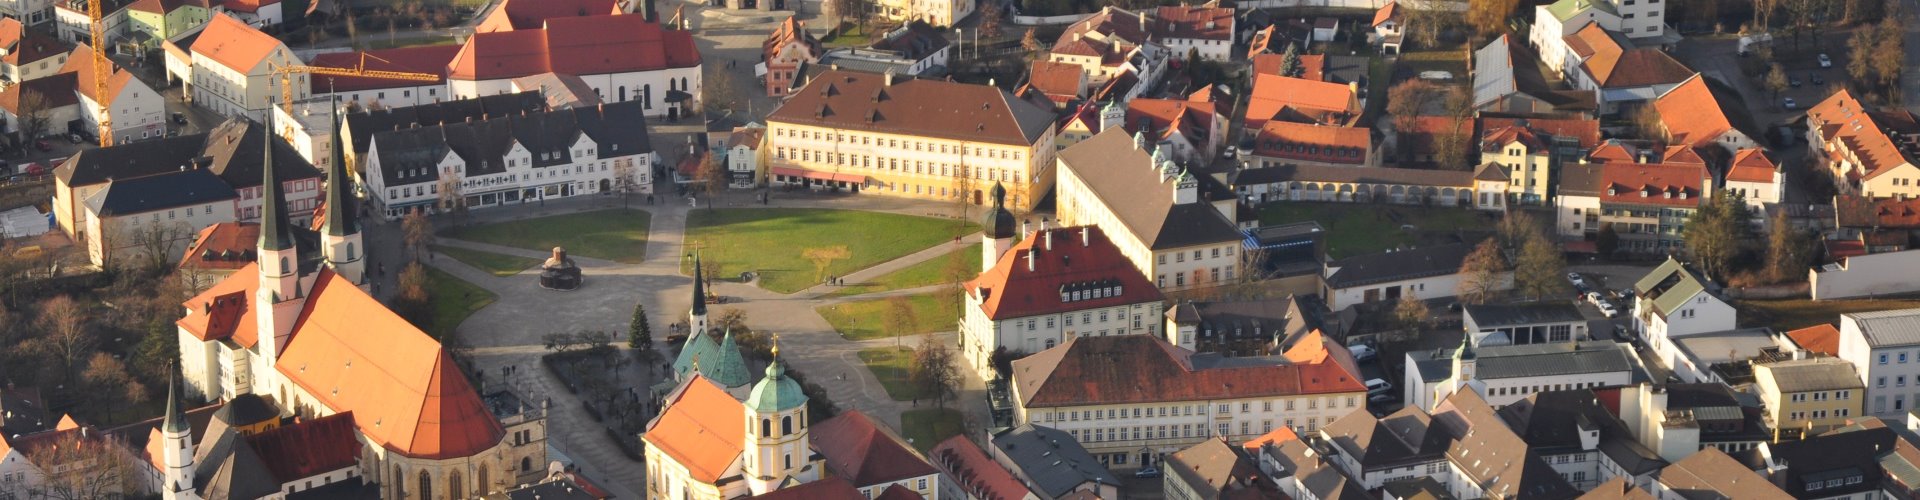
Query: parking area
[(1720, 58)]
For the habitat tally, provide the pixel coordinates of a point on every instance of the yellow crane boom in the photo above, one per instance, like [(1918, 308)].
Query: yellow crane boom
[(360, 70)]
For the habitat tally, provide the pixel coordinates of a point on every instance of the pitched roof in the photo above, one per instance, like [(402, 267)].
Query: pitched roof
[(1711, 470), (80, 63), (915, 41), (165, 6), (234, 44), (1752, 165), (160, 192), (532, 14), (1654, 184), (28, 46), (1692, 114), (1811, 374), (1193, 22), (1276, 96), (1540, 360), (237, 155), (930, 108), (1386, 13), (1143, 369), (1053, 460), (1890, 328), (1856, 211), (427, 59), (1492, 455), (1061, 82), (308, 448), (406, 394), (1369, 175), (1821, 338), (700, 427), (1645, 66), (1313, 142), (827, 488), (1361, 270), (1214, 469), (974, 472), (789, 32), (1109, 34), (1066, 275), (1670, 285), (1845, 118), (591, 45), (1126, 179), (1811, 466), (865, 452), (1163, 118), (52, 92)]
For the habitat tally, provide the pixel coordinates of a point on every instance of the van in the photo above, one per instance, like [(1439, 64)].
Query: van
[(1378, 386), (1362, 353)]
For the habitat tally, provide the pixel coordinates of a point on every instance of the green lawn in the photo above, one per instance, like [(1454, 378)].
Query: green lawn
[(770, 242), (1360, 228), (383, 43), (927, 427), (498, 264), (932, 272), (453, 300), (890, 365), (618, 235), (1795, 314), (867, 319), (849, 37)]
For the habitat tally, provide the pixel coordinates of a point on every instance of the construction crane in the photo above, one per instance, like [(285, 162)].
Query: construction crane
[(102, 71), (286, 72)]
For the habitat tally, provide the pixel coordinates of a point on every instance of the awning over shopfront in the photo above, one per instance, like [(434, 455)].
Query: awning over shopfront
[(819, 176)]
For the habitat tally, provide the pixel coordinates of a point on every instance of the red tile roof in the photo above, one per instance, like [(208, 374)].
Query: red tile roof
[(80, 63), (976, 473), (789, 32), (1313, 67), (247, 6), (1128, 369), (227, 245), (1386, 13), (1112, 25), (1164, 117), (512, 15), (1683, 155), (702, 428), (428, 59), (1822, 338), (1692, 114), (866, 454), (309, 448), (1009, 290), (352, 354), (933, 108), (1496, 138), (1268, 63), (233, 44), (1843, 117), (1653, 183), (827, 488), (1280, 434), (1262, 42), (1586, 131), (1061, 82), (1191, 22), (1314, 100), (1752, 165), (1646, 66), (225, 310), (592, 45), (898, 492), (1322, 143)]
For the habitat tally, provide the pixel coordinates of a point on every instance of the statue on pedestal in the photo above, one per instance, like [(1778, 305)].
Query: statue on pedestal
[(559, 272)]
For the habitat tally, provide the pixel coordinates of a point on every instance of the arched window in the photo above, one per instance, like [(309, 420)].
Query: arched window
[(483, 487), (426, 486), (399, 482), (526, 464), (454, 488), (283, 266), (786, 425), (787, 460), (349, 250), (766, 427)]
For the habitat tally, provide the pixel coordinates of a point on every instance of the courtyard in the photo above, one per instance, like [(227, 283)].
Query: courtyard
[(619, 235)]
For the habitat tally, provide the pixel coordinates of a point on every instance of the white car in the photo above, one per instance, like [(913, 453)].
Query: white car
[(1825, 62), (1363, 353), (1594, 297), (1378, 386), (1608, 310)]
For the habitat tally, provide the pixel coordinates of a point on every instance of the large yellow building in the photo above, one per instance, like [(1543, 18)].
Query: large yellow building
[(929, 139), (1811, 395)]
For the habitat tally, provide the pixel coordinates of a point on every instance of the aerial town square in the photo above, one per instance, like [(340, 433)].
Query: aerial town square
[(959, 249)]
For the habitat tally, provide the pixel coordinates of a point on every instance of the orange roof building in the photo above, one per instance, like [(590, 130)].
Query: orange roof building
[(1052, 277), (308, 335), (1822, 338), (1619, 72), (1191, 128), (1694, 115), (1755, 177), (1872, 150), (1301, 100)]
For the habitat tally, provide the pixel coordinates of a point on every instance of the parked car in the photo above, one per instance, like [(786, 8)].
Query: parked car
[(1363, 353), (1575, 278), (1789, 103), (179, 118), (1378, 386), (1793, 81), (1382, 398), (1825, 62), (1147, 472), (1595, 298), (1608, 309), (1816, 79)]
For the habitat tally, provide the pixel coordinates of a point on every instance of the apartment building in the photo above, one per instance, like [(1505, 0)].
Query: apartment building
[(232, 69), (1674, 301), (926, 139), (1646, 194), (1872, 150), (1112, 44), (1168, 398), (1884, 347), (1154, 211), (1813, 395), (1051, 287)]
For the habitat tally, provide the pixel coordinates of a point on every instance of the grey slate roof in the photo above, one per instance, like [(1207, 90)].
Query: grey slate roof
[(1422, 262), (160, 192), (361, 126), (1124, 179), (1497, 315), (235, 153), (1541, 360), (1889, 328), (135, 159), (409, 155), (1493, 72), (1051, 459), (1552, 422)]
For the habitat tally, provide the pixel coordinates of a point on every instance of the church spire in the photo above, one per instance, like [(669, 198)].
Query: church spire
[(699, 288), (176, 421), (274, 228), (340, 214)]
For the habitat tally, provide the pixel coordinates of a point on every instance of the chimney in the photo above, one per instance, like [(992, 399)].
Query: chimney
[(1023, 227), (1083, 237), (889, 78), (1143, 20), (1049, 236), (1029, 261)]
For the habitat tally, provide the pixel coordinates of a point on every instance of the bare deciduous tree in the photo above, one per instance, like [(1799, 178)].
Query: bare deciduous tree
[(1480, 273), (933, 371), (417, 231), (82, 466)]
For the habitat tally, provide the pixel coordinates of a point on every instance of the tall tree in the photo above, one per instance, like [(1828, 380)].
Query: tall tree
[(1540, 265), (83, 466), (1788, 252), (1290, 61), (989, 21), (413, 300), (1031, 44), (1480, 273), (933, 371), (1405, 103), (901, 320), (110, 385), (1648, 125), (1717, 233), (718, 90), (1410, 313), (65, 333), (417, 232), (1489, 17), (1776, 80), (639, 332)]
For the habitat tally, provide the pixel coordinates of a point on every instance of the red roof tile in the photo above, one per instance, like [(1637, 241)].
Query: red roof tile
[(1496, 138), (1586, 131), (1311, 99), (934, 108), (1683, 155), (309, 448), (590, 45), (1822, 338), (1323, 143), (233, 44), (225, 310), (1061, 82), (1164, 117), (354, 355), (1010, 290), (703, 428), (1692, 114), (80, 63), (227, 245), (898, 492), (428, 59), (789, 32), (828, 488), (1193, 22), (1653, 183), (976, 473), (1843, 117), (1280, 434), (1752, 165), (860, 450), (1387, 12), (1268, 64), (1127, 369), (512, 15), (1263, 40)]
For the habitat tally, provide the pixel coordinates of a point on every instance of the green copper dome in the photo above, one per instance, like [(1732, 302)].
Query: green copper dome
[(776, 392), (720, 362)]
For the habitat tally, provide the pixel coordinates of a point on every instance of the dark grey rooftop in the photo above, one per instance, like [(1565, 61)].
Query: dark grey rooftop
[(1052, 459), (1498, 315)]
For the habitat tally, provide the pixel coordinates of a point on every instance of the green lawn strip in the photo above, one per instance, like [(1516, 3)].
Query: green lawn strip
[(382, 43), (453, 300), (771, 242), (931, 272), (1785, 315), (498, 264), (927, 427), (866, 319), (618, 235), (890, 365), (1359, 229)]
